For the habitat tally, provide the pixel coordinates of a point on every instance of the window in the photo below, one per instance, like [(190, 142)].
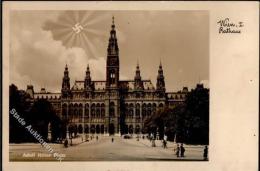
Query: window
[(93, 110), (87, 111), (137, 112), (131, 110), (98, 110), (112, 109), (64, 111), (113, 77), (144, 110), (80, 112), (102, 110)]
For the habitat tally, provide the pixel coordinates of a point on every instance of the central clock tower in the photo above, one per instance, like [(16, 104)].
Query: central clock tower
[(112, 70)]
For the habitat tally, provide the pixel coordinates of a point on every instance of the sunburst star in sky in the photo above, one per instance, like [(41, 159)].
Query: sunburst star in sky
[(76, 29)]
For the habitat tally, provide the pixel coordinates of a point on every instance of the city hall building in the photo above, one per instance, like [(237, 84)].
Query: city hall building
[(110, 106)]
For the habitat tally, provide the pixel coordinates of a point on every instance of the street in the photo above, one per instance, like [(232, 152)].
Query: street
[(104, 150)]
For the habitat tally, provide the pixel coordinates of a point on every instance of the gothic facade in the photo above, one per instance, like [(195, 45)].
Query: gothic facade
[(110, 106)]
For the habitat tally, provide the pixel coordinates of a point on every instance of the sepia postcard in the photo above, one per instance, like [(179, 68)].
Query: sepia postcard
[(124, 86)]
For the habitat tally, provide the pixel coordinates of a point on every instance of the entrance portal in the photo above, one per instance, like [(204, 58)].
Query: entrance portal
[(111, 129)]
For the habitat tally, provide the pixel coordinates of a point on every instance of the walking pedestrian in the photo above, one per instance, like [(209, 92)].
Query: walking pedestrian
[(97, 138), (66, 143), (205, 154), (182, 150), (164, 143), (178, 151), (112, 139)]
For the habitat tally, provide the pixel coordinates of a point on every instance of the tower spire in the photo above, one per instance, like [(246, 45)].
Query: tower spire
[(160, 85), (113, 20), (87, 83), (138, 78), (65, 89), (112, 73), (112, 48), (88, 67)]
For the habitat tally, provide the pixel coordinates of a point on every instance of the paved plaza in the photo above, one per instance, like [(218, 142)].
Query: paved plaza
[(104, 149)]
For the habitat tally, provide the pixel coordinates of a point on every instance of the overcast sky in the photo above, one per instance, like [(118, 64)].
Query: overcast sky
[(42, 42)]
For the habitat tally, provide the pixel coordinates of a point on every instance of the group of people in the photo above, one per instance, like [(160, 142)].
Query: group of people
[(180, 150)]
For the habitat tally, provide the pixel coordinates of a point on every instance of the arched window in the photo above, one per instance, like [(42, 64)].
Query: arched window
[(92, 129), (75, 113), (102, 129), (144, 110), (93, 110), (126, 129), (80, 129), (102, 110), (131, 110), (131, 129), (149, 109), (98, 110), (97, 129), (137, 111), (112, 109), (64, 111), (154, 108), (137, 129), (160, 106), (112, 76), (86, 129), (80, 110), (70, 114), (87, 110)]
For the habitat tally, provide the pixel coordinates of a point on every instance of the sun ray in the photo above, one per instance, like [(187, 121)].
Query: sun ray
[(75, 16), (72, 28), (59, 32), (96, 20), (59, 35), (75, 40), (92, 48), (78, 43), (96, 32), (83, 42), (68, 40), (61, 28), (86, 47), (85, 16), (62, 25), (68, 17)]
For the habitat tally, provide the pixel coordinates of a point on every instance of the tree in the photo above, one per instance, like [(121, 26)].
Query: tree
[(18, 101), (197, 116), (43, 115), (157, 122), (187, 122), (40, 115), (56, 128)]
